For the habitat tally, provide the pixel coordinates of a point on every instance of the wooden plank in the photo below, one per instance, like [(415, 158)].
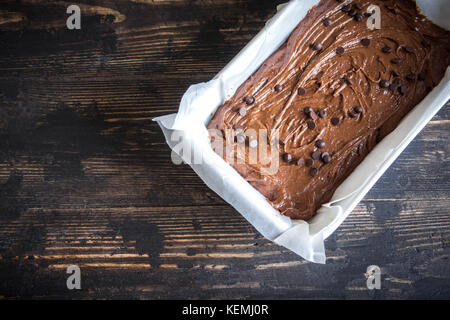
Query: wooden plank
[(214, 246)]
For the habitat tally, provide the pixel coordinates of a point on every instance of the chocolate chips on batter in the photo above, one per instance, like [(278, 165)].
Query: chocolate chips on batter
[(327, 22), (320, 144), (425, 43), (334, 121), (316, 155), (249, 100), (384, 83), (411, 76), (403, 89), (358, 17), (313, 172), (287, 157), (326, 158), (311, 125), (310, 113), (364, 90), (301, 91), (352, 114), (322, 114), (396, 83), (346, 8), (409, 49), (317, 46), (340, 50), (308, 110), (386, 49), (351, 12), (309, 162), (358, 109)]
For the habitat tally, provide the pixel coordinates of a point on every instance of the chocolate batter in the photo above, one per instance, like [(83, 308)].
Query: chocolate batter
[(334, 90)]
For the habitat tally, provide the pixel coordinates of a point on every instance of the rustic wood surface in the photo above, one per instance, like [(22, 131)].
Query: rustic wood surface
[(86, 177)]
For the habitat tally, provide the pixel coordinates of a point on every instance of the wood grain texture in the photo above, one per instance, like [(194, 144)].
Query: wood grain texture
[(86, 177)]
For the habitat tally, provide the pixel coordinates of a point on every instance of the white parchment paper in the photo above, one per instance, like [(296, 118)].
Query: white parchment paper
[(187, 128)]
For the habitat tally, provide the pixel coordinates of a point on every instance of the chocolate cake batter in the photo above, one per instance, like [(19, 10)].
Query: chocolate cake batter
[(334, 90)]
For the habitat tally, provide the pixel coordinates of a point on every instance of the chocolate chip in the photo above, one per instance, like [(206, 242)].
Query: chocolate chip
[(287, 157), (322, 114), (386, 49), (384, 83), (352, 114), (357, 6), (403, 89), (313, 171), (425, 43), (311, 125), (316, 155), (334, 121), (396, 83), (411, 76), (317, 46), (422, 76), (309, 162), (320, 144), (249, 100), (346, 8), (301, 91), (409, 49), (396, 61), (326, 157), (300, 162), (365, 42), (358, 109), (340, 50), (358, 17), (242, 111), (308, 110), (351, 12), (313, 115), (395, 73), (368, 14), (278, 88), (326, 22)]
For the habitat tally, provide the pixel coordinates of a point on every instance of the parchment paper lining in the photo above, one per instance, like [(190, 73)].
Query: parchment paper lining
[(201, 101)]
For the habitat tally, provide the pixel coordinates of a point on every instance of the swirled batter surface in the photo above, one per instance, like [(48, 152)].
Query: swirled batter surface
[(334, 90)]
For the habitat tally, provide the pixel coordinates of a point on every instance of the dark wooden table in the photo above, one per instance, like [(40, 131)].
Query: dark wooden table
[(86, 177)]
